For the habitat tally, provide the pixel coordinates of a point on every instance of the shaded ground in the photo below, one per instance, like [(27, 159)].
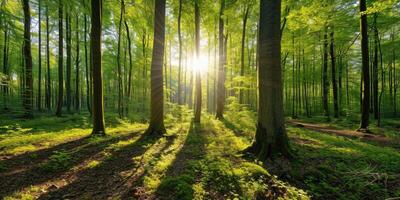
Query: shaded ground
[(191, 162)]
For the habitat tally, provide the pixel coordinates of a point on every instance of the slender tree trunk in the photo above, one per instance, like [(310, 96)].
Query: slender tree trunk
[(375, 71), (28, 98), (325, 82), (156, 126), (69, 61), (120, 93), (180, 53), (48, 81), (271, 138), (245, 17), (130, 64), (88, 78), (197, 112), (98, 102), (6, 69), (60, 60), (365, 68), (39, 98), (221, 68), (77, 69), (333, 76)]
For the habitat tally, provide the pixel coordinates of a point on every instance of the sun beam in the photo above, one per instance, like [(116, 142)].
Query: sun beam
[(201, 64)]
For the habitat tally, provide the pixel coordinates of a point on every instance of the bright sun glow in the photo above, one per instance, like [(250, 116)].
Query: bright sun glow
[(201, 64)]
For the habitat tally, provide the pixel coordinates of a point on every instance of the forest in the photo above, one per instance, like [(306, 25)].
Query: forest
[(200, 99)]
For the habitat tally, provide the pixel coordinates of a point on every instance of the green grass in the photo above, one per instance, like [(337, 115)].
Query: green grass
[(197, 161)]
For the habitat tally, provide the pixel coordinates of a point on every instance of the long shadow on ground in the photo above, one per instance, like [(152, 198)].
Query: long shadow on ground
[(182, 173), (79, 151), (103, 180)]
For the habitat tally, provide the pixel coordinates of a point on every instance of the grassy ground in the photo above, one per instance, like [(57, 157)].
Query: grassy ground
[(54, 158)]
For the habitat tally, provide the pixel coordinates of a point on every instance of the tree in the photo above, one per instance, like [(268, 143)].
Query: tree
[(69, 60), (95, 36), (245, 18), (28, 96), (48, 87), (39, 98), (77, 67), (325, 82), (197, 113), (221, 65), (271, 138), (156, 126), (180, 53), (365, 67), (60, 60), (333, 76)]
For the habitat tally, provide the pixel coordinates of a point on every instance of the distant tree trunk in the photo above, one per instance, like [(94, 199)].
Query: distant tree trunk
[(180, 54), (130, 64), (156, 126), (333, 76), (294, 115), (325, 82), (197, 112), (396, 83), (39, 97), (48, 81), (375, 70), (271, 138), (69, 60), (28, 97), (60, 60), (5, 69), (120, 106), (221, 68), (365, 68), (245, 17), (77, 77), (98, 107), (88, 78)]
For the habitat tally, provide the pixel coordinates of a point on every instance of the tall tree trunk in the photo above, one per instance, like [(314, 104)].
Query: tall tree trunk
[(5, 69), (375, 70), (156, 126), (77, 69), (130, 65), (39, 97), (333, 76), (98, 102), (28, 97), (180, 53), (365, 68), (325, 82), (245, 17), (69, 60), (48, 81), (88, 78), (221, 67), (271, 138), (197, 112), (120, 93)]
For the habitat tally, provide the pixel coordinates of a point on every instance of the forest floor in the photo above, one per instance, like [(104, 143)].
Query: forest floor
[(55, 158)]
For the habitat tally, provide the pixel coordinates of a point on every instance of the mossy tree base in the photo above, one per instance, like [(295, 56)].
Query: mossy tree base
[(269, 145)]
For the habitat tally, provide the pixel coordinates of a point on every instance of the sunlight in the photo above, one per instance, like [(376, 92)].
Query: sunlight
[(200, 64)]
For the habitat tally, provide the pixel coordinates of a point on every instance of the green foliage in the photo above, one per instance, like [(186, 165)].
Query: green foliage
[(179, 187)]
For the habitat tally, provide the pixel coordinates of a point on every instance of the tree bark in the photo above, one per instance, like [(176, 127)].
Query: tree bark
[(77, 69), (271, 138), (88, 78), (48, 81), (60, 60), (325, 82), (156, 126), (130, 65), (98, 107), (180, 54), (39, 97), (221, 67), (28, 96), (245, 17), (333, 76), (197, 112), (375, 70), (365, 68), (120, 89), (69, 61)]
